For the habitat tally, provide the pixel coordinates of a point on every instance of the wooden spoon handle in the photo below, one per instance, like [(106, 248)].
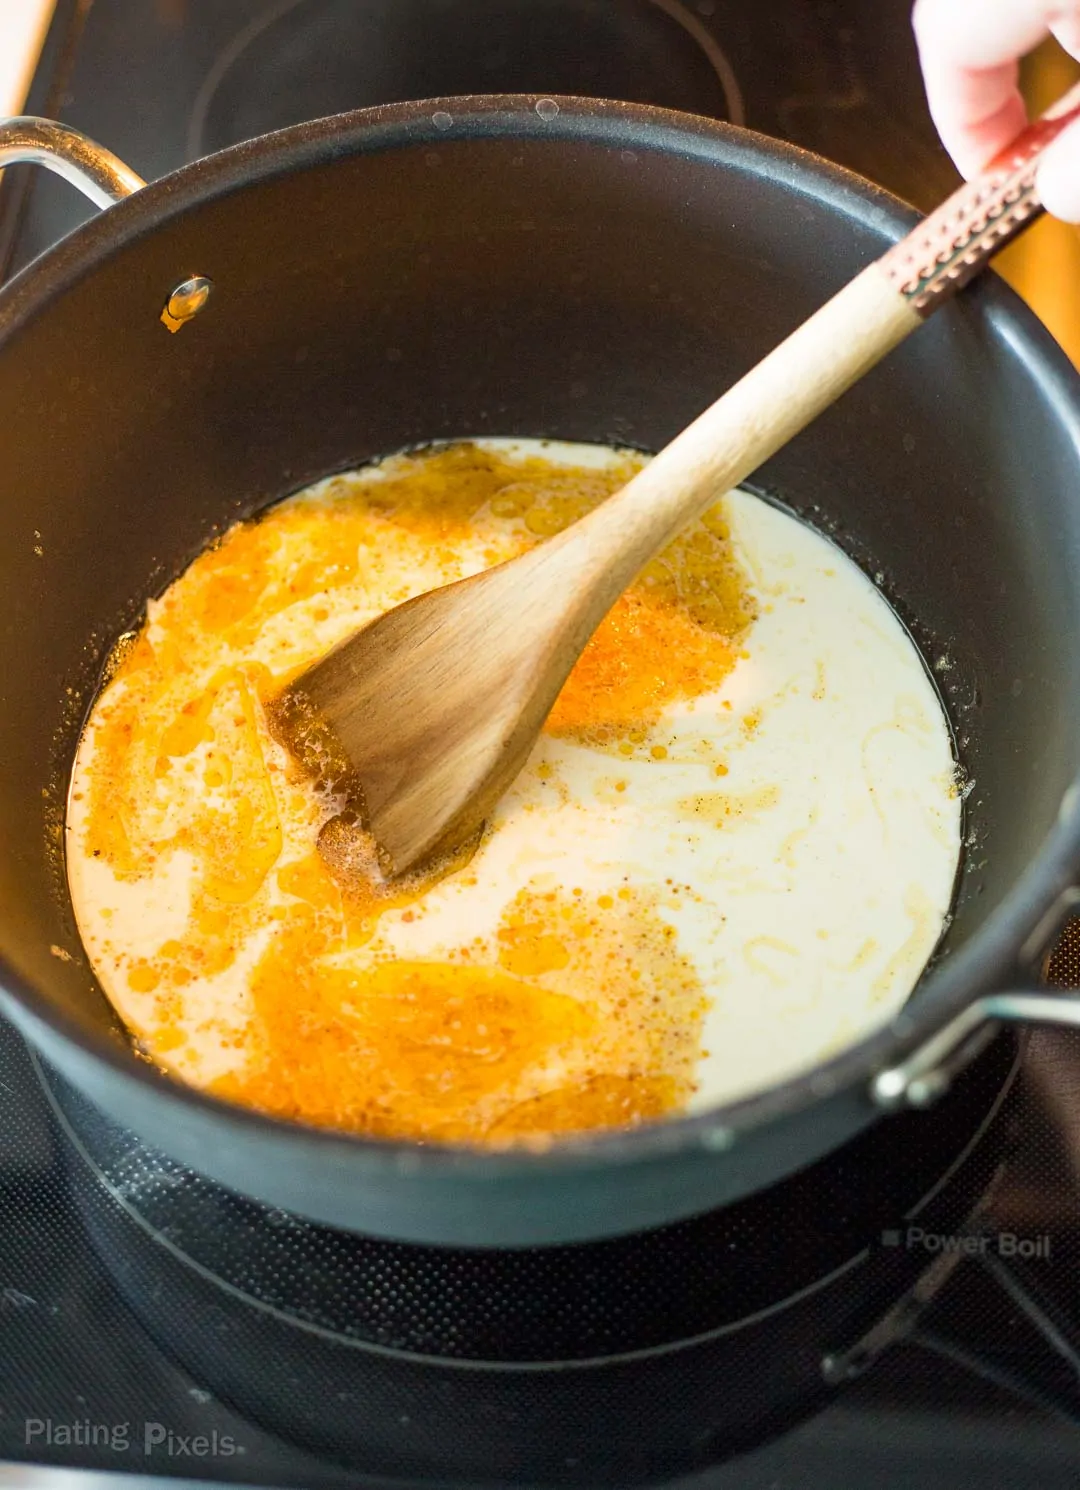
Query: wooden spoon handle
[(818, 362), (957, 240)]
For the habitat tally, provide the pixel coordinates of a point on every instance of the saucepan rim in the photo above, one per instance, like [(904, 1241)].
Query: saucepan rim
[(989, 961)]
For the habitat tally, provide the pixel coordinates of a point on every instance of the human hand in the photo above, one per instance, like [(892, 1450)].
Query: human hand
[(970, 52)]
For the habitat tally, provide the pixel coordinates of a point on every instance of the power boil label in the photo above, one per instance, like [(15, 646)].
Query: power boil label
[(978, 1244)]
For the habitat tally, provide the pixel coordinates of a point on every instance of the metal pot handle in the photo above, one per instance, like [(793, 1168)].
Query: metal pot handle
[(97, 172), (928, 1072), (99, 175)]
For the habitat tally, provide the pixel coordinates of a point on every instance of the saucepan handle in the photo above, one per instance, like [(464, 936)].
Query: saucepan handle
[(926, 1074), (99, 175), (97, 172)]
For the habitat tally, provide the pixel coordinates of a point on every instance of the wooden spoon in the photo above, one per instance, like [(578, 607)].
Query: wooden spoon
[(437, 704)]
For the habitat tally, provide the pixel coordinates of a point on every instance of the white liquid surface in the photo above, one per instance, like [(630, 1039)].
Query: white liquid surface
[(821, 866)]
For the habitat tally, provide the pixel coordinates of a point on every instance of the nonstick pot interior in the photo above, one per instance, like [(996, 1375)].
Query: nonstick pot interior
[(601, 273)]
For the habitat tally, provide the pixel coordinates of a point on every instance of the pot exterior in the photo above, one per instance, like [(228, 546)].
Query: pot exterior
[(599, 274), (432, 1363)]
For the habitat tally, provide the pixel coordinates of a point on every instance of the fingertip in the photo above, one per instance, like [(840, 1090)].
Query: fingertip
[(957, 34), (973, 139), (1066, 28), (1059, 176)]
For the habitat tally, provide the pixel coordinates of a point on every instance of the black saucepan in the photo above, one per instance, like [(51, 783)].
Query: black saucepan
[(568, 268)]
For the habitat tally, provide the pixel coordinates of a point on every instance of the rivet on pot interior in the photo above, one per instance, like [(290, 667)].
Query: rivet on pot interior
[(186, 301)]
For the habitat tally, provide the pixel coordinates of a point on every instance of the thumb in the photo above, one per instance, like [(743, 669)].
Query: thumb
[(1059, 175)]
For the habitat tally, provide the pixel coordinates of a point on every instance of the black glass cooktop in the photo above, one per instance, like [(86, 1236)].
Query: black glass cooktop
[(161, 81), (153, 1325)]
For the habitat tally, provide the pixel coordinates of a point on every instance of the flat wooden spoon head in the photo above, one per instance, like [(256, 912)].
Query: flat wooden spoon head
[(436, 705)]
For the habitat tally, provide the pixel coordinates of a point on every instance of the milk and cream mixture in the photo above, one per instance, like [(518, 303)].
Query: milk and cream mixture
[(730, 855)]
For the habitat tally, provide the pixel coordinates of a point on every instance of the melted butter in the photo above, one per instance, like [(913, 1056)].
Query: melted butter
[(679, 900), (719, 808), (575, 1014), (648, 653), (403, 1049)]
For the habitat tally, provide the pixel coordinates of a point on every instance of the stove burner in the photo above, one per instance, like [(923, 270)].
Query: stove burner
[(528, 1364), (303, 59)]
